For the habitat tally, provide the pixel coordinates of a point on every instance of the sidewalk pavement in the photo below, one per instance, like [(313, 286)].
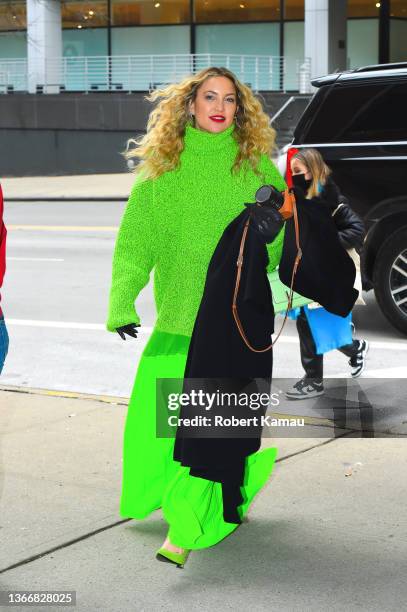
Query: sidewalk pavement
[(329, 531), (85, 186)]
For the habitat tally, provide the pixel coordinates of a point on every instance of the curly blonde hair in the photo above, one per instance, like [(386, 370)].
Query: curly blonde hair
[(160, 148)]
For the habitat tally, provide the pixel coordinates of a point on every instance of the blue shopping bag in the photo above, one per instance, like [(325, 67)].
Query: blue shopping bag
[(328, 330)]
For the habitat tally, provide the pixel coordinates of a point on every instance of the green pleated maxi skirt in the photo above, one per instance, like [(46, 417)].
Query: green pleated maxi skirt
[(152, 479)]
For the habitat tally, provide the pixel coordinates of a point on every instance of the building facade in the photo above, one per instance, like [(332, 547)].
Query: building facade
[(375, 32), (69, 48)]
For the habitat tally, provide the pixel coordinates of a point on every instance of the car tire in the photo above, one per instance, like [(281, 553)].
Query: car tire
[(386, 279)]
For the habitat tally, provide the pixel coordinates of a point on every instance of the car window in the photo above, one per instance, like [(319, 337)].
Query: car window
[(361, 113)]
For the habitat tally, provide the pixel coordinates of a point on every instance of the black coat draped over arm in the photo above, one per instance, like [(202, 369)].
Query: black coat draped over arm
[(326, 273), (217, 355)]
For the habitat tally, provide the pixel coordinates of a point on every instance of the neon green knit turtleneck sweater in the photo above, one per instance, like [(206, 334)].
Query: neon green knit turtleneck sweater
[(173, 223)]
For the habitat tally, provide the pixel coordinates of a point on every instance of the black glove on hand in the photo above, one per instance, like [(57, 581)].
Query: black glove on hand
[(266, 221), (130, 330)]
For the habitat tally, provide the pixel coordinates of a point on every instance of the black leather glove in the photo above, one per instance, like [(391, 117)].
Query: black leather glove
[(130, 330), (266, 221)]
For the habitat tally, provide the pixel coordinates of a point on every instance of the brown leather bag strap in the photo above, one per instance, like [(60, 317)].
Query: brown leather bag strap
[(239, 274)]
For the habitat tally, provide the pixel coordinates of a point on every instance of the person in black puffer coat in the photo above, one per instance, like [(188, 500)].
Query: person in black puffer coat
[(312, 180)]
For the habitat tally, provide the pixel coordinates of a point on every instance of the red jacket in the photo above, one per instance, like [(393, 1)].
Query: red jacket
[(3, 234)]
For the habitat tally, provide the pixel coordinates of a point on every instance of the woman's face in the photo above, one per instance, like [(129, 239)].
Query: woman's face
[(298, 167), (215, 104)]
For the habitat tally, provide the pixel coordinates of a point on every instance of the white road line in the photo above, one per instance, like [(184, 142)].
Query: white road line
[(66, 325), (34, 259), (388, 346), (375, 344), (64, 228), (395, 372)]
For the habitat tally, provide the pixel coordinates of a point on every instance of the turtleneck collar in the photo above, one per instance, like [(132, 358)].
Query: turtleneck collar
[(203, 141)]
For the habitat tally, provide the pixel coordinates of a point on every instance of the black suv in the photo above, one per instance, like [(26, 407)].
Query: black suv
[(358, 121)]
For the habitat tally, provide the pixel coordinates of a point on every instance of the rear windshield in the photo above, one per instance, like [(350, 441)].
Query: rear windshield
[(360, 113)]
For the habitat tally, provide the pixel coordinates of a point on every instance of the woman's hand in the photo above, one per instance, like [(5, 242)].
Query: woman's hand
[(130, 330), (266, 221)]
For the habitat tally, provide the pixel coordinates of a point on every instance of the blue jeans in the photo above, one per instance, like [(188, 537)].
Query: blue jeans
[(3, 342)]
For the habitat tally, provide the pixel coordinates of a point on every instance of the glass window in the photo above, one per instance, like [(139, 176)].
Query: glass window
[(13, 45), (84, 69), (168, 44), (81, 15), (294, 10), (13, 15), (165, 40), (260, 38), (361, 113), (224, 11), (382, 117), (363, 42), (363, 8), (398, 40), (293, 53), (144, 12), (84, 42), (223, 46)]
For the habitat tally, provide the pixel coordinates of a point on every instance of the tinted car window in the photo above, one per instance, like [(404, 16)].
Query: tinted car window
[(361, 113)]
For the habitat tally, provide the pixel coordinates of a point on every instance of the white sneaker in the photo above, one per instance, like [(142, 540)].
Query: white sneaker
[(358, 361), (305, 388)]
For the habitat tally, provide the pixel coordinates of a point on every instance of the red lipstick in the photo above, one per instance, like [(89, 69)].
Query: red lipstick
[(218, 118)]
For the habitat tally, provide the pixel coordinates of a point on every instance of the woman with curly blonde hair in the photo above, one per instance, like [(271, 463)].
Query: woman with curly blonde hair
[(205, 153)]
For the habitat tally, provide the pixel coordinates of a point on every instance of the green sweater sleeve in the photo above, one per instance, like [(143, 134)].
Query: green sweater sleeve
[(273, 177), (134, 256)]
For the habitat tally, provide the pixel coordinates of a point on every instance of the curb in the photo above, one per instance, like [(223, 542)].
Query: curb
[(123, 401), (106, 399)]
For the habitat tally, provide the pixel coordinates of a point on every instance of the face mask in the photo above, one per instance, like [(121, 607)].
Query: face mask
[(301, 182)]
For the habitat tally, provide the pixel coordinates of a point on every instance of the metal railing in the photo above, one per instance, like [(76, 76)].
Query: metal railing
[(146, 72), (13, 75)]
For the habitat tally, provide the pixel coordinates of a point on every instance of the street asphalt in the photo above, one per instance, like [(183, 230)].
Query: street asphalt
[(329, 531)]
